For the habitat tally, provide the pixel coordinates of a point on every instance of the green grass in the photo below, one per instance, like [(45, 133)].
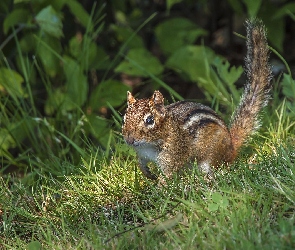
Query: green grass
[(108, 204)]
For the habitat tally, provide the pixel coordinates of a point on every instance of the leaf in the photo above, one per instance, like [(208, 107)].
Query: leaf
[(80, 13), (20, 129), (220, 200), (27, 43), (48, 50), (252, 7), (50, 22), (212, 207), (237, 6), (190, 61), (11, 82), (228, 75), (6, 141), (217, 197), (126, 34), (284, 10), (34, 245), (276, 33), (99, 127), (15, 132), (84, 51), (15, 17), (170, 3), (201, 65), (102, 59), (111, 91), (58, 4), (58, 100), (224, 202), (275, 27), (176, 33), (77, 85), (138, 61), (75, 45), (288, 86)]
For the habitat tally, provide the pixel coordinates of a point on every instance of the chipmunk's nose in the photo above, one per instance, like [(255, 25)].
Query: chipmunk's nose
[(129, 139)]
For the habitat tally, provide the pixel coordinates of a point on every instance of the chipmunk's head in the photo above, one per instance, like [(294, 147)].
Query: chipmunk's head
[(143, 120)]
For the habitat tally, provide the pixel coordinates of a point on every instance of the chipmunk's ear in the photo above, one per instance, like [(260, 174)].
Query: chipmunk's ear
[(158, 98), (158, 102), (130, 98)]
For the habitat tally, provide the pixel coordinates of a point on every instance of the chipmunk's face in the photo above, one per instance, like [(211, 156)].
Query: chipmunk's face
[(143, 119)]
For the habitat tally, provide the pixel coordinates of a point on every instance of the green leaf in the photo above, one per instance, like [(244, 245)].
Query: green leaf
[(237, 6), (58, 4), (15, 132), (190, 60), (176, 33), (252, 7), (15, 17), (11, 82), (217, 197), (228, 75), (34, 245), (6, 141), (75, 46), (288, 86), (85, 53), (170, 3), (99, 127), (284, 10), (220, 200), (275, 27), (144, 59), (48, 50), (111, 91), (50, 22), (27, 43), (224, 203), (20, 129), (212, 207), (77, 85), (276, 33), (79, 12), (121, 18), (58, 100), (123, 35), (102, 59), (212, 73)]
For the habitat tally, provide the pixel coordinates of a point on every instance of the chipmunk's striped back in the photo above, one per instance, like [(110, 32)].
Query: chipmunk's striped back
[(194, 115)]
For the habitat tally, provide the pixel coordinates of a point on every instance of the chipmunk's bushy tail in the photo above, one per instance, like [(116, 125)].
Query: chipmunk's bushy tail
[(245, 119)]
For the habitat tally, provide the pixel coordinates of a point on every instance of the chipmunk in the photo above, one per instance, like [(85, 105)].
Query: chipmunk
[(178, 134)]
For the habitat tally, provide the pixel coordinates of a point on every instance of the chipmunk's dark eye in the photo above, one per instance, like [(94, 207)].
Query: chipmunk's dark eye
[(149, 120)]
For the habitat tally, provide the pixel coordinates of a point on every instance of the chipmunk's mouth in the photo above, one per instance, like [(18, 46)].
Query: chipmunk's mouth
[(135, 143)]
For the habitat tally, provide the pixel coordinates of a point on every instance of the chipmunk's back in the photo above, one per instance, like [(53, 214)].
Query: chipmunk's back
[(191, 114)]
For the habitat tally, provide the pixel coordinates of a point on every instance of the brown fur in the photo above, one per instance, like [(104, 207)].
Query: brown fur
[(245, 119), (175, 135)]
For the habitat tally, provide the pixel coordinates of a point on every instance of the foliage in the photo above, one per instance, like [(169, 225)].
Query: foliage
[(54, 122), (77, 186), (59, 73)]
